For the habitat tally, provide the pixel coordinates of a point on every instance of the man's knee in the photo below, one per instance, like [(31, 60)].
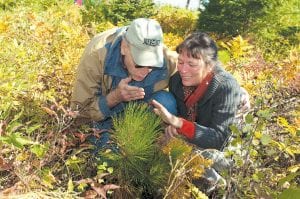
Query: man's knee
[(167, 100)]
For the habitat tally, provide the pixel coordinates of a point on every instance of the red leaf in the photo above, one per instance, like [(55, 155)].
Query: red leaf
[(82, 137), (49, 111), (4, 166), (111, 187), (100, 190), (2, 127), (86, 181), (90, 194)]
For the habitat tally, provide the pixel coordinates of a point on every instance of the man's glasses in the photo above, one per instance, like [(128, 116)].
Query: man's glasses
[(149, 67)]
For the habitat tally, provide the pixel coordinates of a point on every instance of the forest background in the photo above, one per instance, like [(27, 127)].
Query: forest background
[(42, 155)]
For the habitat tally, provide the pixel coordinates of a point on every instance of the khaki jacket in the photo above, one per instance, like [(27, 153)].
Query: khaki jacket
[(96, 75)]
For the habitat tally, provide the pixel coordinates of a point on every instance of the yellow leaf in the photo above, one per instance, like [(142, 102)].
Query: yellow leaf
[(282, 122), (70, 185), (290, 151), (294, 168), (3, 27), (297, 122), (257, 134), (49, 111), (255, 142), (22, 156)]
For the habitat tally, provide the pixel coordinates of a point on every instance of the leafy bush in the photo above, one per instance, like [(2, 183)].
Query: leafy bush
[(117, 12), (172, 41), (177, 21), (239, 49), (230, 17), (271, 23), (277, 32), (41, 44)]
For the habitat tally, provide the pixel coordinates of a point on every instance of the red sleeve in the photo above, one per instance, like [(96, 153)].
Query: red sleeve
[(187, 129)]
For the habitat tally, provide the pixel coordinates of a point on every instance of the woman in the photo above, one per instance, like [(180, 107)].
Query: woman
[(207, 96), (207, 99)]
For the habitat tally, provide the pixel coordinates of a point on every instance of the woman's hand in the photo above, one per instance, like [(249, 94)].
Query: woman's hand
[(170, 132), (165, 115), (245, 101), (244, 106)]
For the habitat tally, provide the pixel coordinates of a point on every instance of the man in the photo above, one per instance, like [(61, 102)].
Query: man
[(122, 65)]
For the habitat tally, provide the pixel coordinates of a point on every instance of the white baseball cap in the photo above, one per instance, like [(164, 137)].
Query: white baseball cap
[(145, 38)]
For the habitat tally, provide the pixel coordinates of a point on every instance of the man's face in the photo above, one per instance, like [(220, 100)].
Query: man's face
[(137, 73)]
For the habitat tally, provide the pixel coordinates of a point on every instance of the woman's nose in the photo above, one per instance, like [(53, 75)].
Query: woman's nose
[(183, 67)]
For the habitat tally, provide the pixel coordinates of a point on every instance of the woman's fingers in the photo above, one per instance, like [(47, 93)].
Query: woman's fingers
[(171, 131)]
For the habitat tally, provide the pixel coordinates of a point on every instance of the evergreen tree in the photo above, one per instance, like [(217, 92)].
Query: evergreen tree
[(124, 11), (230, 17)]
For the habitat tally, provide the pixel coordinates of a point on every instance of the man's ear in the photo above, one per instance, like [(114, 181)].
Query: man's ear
[(124, 46)]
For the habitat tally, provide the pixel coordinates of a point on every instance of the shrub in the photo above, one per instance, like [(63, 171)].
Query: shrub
[(177, 21)]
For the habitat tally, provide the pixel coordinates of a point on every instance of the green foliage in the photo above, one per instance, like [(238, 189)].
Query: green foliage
[(291, 193), (16, 140), (186, 165), (118, 12), (177, 21), (252, 147), (274, 24), (176, 24), (238, 49), (92, 12), (122, 12), (277, 32), (230, 17), (139, 165), (41, 44), (172, 41), (7, 4)]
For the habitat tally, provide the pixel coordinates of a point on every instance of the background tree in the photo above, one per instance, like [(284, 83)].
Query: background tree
[(124, 11), (187, 4), (117, 12), (277, 31), (229, 17), (273, 23)]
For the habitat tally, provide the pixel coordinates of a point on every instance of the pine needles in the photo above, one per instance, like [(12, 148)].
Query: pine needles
[(140, 166)]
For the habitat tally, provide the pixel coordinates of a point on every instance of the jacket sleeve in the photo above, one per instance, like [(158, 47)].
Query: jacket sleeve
[(89, 74), (171, 58), (224, 107)]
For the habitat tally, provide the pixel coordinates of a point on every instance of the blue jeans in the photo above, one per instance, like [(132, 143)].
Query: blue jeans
[(165, 98)]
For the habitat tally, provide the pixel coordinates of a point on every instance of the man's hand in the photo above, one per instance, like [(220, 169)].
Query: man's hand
[(125, 93)]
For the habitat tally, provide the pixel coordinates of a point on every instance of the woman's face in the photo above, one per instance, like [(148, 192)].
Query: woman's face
[(192, 70), (136, 72)]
